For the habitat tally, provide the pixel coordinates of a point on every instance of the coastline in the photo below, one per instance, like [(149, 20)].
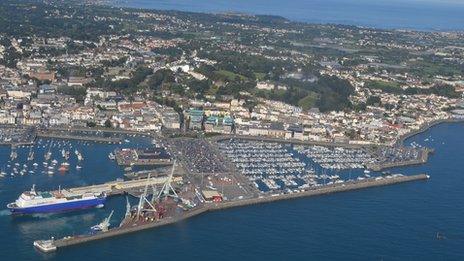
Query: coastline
[(370, 23), (425, 128)]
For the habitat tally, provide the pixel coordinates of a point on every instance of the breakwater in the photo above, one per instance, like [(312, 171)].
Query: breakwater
[(336, 188), (424, 157)]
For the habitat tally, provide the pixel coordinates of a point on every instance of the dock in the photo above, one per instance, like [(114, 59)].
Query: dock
[(53, 245)]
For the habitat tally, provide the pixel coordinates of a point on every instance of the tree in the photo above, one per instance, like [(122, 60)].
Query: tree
[(108, 123), (373, 100)]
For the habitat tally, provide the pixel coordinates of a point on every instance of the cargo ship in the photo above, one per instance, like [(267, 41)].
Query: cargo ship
[(31, 202)]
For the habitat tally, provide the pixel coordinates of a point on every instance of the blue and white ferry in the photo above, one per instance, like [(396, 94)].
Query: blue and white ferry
[(31, 202)]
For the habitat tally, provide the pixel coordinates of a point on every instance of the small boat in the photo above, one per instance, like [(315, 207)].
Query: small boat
[(63, 168), (104, 225), (13, 155), (30, 156), (48, 155), (78, 167), (111, 156)]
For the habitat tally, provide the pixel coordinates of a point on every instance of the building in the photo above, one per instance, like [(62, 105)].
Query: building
[(195, 119), (211, 195), (169, 118)]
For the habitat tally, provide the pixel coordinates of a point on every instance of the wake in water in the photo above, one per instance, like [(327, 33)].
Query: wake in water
[(4, 212)]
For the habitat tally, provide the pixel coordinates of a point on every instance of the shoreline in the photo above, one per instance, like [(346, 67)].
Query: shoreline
[(425, 128), (344, 22)]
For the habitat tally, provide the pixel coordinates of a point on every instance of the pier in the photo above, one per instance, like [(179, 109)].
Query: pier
[(53, 245)]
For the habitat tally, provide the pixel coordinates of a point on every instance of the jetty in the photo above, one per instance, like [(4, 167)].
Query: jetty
[(54, 244)]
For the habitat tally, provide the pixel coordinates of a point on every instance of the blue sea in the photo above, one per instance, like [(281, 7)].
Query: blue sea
[(427, 15), (398, 222)]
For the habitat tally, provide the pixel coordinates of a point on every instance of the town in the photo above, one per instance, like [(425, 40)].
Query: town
[(328, 89), (228, 109)]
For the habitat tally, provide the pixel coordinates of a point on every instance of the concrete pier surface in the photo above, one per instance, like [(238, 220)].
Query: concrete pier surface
[(323, 190), (121, 187)]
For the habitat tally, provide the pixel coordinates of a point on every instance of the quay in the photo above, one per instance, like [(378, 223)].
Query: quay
[(119, 187), (53, 245), (113, 140), (147, 157)]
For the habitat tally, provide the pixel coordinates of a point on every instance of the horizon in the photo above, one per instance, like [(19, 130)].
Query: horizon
[(421, 15)]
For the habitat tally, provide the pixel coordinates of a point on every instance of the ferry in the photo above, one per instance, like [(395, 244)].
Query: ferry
[(31, 202)]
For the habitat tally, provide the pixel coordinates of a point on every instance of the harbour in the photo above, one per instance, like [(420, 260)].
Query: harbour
[(278, 171), (299, 176)]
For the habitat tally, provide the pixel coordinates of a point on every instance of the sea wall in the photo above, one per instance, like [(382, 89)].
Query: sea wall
[(245, 202)]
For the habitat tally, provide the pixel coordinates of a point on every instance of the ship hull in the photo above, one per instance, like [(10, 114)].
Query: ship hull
[(60, 207)]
